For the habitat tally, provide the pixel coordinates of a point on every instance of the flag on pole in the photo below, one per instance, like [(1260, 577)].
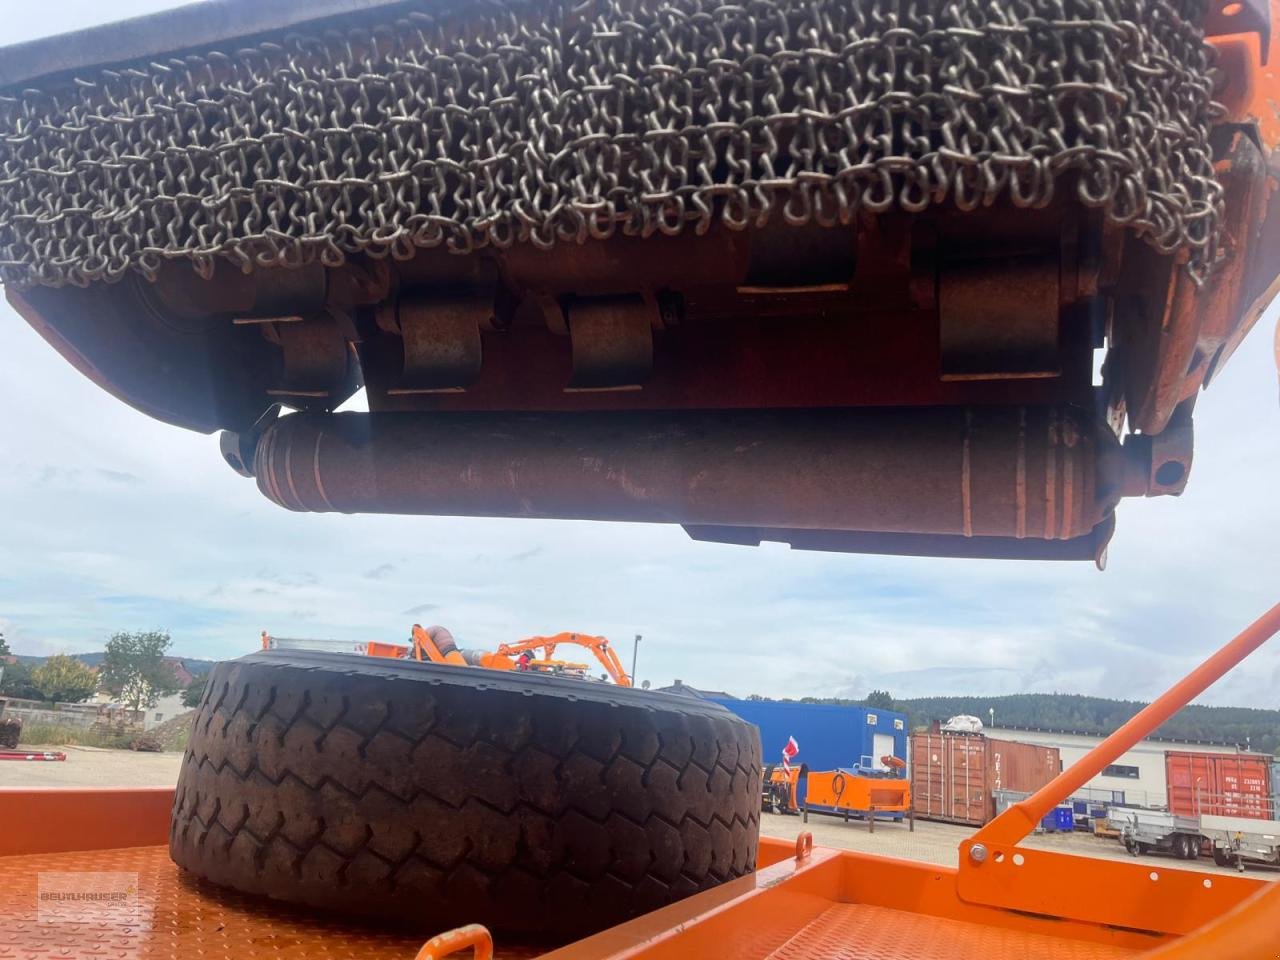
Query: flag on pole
[(788, 754)]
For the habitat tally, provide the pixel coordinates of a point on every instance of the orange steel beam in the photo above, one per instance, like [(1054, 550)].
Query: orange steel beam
[(1244, 933), (63, 819), (1021, 818)]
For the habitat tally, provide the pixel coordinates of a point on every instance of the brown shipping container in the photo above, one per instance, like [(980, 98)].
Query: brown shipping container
[(953, 775), (1228, 785)]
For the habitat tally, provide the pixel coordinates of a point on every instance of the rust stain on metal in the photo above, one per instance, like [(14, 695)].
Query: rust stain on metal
[(1068, 479), (1020, 527), (315, 469), (1050, 476), (965, 466), (288, 471)]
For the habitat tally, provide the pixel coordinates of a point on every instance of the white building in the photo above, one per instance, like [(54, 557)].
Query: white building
[(166, 708), (1137, 778)]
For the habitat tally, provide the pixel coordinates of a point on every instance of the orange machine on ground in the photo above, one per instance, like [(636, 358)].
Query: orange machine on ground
[(866, 795)]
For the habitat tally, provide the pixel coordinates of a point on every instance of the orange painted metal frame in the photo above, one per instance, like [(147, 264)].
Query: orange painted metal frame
[(63, 819), (756, 916), (1251, 94)]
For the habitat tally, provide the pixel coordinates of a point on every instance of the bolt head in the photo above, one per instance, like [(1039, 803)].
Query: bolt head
[(978, 853)]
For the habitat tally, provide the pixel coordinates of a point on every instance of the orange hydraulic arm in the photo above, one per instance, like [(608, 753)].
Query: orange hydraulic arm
[(435, 644), (599, 646)]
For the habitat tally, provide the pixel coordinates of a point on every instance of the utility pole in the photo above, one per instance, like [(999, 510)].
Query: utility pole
[(991, 711), (635, 652)]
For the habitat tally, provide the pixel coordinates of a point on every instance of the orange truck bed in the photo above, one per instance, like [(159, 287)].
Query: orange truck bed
[(823, 906)]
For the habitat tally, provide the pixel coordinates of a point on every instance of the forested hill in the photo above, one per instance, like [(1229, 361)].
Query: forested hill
[(1095, 715)]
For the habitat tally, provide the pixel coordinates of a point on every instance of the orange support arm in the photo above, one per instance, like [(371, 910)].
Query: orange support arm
[(1021, 818), (606, 655), (436, 644), (599, 646)]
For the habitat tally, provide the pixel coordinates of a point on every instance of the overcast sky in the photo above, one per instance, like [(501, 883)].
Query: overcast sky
[(111, 521)]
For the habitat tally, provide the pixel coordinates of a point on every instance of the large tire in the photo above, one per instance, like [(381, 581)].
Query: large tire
[(442, 795)]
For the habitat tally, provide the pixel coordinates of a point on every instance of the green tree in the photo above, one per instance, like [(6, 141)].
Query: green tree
[(191, 696), (17, 683), (64, 679), (134, 670), (881, 699), (4, 646)]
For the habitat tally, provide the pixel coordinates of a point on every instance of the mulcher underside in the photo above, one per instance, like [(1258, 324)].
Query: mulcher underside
[(694, 221)]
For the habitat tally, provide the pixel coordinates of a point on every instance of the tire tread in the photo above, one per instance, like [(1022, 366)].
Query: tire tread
[(427, 792)]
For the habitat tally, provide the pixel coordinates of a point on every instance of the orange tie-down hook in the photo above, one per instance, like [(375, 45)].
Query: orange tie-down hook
[(804, 846), (472, 935)]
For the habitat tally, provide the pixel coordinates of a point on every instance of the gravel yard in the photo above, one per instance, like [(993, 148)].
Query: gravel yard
[(93, 767)]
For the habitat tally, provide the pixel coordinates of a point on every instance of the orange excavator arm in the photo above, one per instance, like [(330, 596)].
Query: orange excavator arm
[(599, 646), (437, 645)]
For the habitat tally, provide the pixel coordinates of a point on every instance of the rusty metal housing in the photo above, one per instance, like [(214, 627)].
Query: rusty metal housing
[(903, 377)]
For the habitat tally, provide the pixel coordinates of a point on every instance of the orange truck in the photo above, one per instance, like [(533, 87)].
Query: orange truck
[(924, 277)]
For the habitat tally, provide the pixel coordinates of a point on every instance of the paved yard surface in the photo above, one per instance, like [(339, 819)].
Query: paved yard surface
[(93, 767), (939, 842)]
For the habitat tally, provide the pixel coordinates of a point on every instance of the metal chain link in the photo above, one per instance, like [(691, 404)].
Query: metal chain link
[(566, 121)]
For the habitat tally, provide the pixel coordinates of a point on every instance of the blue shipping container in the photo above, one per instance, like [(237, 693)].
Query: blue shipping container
[(830, 737)]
